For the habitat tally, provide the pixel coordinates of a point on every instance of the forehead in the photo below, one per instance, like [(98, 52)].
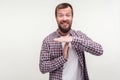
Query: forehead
[(64, 10)]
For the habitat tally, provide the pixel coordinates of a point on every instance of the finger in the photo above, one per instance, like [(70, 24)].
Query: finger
[(59, 39), (66, 44), (56, 39)]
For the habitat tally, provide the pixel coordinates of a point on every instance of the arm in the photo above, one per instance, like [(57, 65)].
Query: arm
[(46, 64), (86, 44)]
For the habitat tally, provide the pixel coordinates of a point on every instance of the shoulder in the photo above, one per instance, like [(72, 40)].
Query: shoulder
[(77, 32), (49, 37)]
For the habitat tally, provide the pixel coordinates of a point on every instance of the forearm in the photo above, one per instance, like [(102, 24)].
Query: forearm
[(87, 45), (48, 66)]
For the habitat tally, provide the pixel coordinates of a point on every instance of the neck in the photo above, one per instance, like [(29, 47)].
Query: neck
[(63, 34)]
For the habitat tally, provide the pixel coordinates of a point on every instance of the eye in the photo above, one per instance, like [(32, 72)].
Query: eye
[(68, 15), (60, 15)]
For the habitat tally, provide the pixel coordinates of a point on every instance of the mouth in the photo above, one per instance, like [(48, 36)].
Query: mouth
[(65, 24)]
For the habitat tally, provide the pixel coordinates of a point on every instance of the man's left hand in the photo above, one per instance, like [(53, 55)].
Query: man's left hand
[(63, 39)]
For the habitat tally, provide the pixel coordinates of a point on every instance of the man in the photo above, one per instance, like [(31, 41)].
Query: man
[(62, 52)]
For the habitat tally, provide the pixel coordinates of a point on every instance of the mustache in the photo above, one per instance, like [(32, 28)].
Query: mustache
[(64, 21)]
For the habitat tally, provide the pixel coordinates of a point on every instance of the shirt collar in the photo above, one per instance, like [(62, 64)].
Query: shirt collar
[(70, 32)]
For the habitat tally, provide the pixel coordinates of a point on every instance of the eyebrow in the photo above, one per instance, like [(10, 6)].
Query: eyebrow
[(62, 13)]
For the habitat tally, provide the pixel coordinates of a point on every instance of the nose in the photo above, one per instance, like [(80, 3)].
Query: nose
[(64, 18)]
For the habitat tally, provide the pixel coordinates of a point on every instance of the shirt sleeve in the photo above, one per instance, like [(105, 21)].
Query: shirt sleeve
[(46, 64), (84, 43)]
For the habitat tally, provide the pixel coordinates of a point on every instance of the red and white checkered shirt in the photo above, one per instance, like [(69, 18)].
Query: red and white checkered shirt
[(52, 60)]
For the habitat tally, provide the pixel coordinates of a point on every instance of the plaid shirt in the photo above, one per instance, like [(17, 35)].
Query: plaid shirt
[(52, 60)]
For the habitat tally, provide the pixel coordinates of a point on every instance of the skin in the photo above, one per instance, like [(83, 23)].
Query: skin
[(64, 20)]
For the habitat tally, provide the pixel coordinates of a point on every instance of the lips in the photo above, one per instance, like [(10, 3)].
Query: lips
[(65, 25)]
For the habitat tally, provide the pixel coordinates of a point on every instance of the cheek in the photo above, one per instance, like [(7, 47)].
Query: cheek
[(58, 20), (70, 20)]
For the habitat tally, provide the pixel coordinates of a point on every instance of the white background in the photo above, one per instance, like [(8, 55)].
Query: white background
[(25, 23)]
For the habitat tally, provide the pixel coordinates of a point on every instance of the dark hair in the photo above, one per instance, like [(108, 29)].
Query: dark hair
[(62, 6)]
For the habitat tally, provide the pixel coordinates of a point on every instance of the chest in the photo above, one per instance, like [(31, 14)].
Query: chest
[(55, 50)]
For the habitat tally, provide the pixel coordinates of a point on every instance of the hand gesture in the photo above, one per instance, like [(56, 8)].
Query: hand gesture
[(65, 50), (63, 39)]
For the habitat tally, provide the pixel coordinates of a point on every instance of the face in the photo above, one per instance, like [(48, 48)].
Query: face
[(64, 19)]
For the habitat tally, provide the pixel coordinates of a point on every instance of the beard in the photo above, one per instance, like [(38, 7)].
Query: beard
[(64, 30)]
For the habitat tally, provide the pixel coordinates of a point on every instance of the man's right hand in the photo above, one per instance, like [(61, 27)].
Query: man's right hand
[(65, 50)]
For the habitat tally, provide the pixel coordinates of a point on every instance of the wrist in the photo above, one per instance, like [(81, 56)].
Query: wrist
[(65, 57)]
